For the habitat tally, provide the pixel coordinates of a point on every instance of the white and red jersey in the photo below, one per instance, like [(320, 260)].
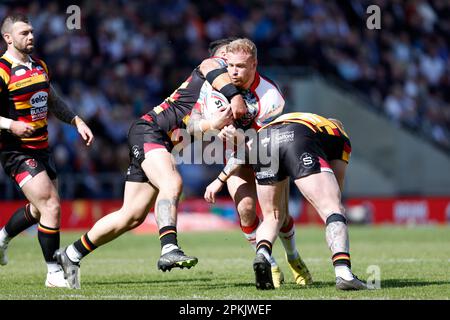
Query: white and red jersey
[(263, 99)]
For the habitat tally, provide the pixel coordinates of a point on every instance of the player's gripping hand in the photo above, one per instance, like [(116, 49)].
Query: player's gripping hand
[(21, 129), (222, 117), (238, 107), (232, 135), (84, 131), (212, 189)]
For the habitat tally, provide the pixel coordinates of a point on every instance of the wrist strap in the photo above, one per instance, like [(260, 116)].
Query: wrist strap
[(229, 91), (212, 75)]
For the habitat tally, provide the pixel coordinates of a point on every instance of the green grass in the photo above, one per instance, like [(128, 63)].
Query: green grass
[(414, 264)]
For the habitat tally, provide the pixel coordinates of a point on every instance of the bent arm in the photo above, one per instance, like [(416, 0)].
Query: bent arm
[(59, 108)]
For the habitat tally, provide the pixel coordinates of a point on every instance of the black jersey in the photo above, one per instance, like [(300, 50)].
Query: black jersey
[(174, 112)]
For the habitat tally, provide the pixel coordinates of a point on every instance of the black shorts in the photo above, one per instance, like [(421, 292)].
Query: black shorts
[(294, 150), (143, 137), (22, 165)]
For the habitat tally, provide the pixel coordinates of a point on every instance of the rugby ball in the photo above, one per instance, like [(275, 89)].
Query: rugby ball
[(213, 101)]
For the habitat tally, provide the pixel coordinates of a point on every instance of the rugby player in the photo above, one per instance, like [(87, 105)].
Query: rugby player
[(26, 96), (264, 103), (152, 177), (314, 152)]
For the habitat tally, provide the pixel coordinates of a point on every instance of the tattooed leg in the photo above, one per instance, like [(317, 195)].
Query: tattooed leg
[(166, 212), (337, 233)]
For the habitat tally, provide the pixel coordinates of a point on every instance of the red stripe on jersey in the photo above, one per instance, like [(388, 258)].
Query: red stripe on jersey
[(255, 125), (176, 96), (256, 82), (164, 105), (336, 132), (5, 67), (152, 146), (21, 176), (347, 148), (323, 163), (23, 97), (26, 119), (35, 145), (147, 117), (197, 106), (27, 74)]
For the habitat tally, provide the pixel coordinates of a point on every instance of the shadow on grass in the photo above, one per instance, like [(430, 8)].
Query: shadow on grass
[(214, 283), (147, 281), (404, 283)]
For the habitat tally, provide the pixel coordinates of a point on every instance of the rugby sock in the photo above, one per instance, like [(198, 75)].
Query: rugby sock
[(264, 247), (80, 248), (168, 238), (287, 237), (250, 235), (250, 232), (49, 240), (19, 221), (342, 265)]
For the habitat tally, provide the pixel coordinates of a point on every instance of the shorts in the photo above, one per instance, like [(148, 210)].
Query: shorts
[(144, 136), (294, 150), (22, 165)]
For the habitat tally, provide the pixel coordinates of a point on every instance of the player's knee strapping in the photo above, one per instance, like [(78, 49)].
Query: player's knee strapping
[(337, 238)]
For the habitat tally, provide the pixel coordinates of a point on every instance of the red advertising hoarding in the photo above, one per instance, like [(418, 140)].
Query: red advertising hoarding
[(196, 214)]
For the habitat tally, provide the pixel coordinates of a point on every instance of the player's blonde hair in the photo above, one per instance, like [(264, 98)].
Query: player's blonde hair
[(243, 45)]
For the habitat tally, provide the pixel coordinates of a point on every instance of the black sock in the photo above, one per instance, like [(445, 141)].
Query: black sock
[(49, 240), (20, 221), (84, 246), (168, 235), (264, 244)]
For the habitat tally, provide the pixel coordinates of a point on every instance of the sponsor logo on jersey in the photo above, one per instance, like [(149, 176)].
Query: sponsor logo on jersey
[(39, 107), (31, 163), (23, 83), (39, 99), (307, 160), (284, 137), (265, 174), (135, 151), (20, 72)]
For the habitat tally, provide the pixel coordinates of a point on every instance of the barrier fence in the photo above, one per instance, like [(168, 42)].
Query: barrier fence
[(198, 215)]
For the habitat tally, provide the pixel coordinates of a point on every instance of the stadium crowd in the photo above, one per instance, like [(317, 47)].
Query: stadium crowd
[(129, 55)]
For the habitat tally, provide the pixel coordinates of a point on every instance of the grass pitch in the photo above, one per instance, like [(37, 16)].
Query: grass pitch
[(413, 263)]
